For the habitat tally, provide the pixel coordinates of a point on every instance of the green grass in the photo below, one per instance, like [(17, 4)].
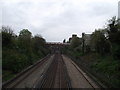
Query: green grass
[(7, 75), (109, 68), (106, 68), (106, 65)]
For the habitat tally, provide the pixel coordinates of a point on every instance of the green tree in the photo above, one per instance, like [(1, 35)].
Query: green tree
[(39, 45), (114, 36), (18, 52), (7, 37), (114, 30), (75, 42), (24, 41), (24, 44), (99, 42)]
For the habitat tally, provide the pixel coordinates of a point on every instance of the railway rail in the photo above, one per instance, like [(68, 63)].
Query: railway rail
[(48, 77), (86, 79), (25, 73), (85, 76), (56, 75)]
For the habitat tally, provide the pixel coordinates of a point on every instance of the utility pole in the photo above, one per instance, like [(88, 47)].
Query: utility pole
[(83, 42), (119, 11)]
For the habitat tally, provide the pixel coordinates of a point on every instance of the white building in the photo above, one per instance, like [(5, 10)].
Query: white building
[(87, 38)]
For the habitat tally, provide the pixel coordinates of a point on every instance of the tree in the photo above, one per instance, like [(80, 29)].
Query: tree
[(7, 36), (39, 44), (64, 41), (18, 52), (24, 44), (114, 31), (76, 41), (24, 40), (114, 36), (99, 42)]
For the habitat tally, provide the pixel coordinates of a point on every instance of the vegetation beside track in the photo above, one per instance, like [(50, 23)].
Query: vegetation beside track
[(101, 56), (20, 51)]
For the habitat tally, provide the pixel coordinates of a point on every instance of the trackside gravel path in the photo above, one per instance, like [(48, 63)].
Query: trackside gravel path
[(78, 78)]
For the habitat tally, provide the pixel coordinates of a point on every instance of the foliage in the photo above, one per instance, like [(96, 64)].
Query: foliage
[(109, 68), (39, 45), (7, 37), (75, 42), (75, 46), (20, 51), (99, 42), (105, 45), (114, 36)]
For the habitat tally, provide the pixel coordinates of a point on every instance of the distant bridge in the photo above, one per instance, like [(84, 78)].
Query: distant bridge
[(56, 47), (57, 43)]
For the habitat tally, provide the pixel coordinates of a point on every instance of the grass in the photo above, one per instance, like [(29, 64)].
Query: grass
[(106, 64), (109, 68), (7, 75), (106, 67)]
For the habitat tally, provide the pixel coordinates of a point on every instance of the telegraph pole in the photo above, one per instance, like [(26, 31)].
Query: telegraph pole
[(119, 11)]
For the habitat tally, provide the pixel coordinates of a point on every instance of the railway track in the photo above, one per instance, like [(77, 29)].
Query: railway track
[(48, 77), (84, 75), (92, 84), (65, 74), (13, 83), (56, 76)]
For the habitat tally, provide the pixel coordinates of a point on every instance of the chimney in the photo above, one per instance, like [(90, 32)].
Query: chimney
[(74, 35)]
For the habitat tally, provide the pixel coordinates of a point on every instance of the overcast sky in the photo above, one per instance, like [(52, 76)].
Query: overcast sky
[(56, 20)]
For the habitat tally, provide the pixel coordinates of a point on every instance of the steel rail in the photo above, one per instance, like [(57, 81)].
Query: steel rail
[(48, 76), (48, 79), (83, 75), (67, 77), (11, 83)]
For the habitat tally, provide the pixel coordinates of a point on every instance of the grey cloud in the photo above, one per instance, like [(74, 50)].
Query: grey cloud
[(57, 19)]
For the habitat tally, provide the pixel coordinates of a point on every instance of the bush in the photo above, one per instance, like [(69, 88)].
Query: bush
[(109, 69), (14, 61)]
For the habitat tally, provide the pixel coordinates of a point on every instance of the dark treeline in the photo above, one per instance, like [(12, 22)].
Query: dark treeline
[(103, 41), (99, 51), (20, 51)]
